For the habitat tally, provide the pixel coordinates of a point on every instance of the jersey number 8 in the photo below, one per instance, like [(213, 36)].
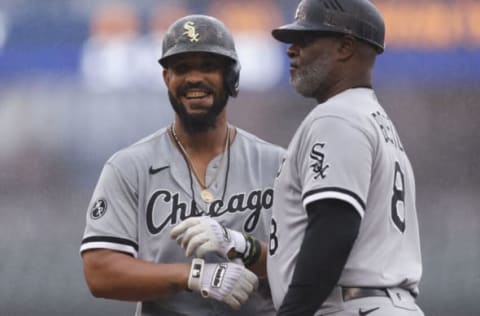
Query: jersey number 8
[(397, 209), (398, 198), (273, 238)]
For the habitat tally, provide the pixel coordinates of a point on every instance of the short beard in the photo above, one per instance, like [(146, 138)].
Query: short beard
[(199, 123), (309, 80)]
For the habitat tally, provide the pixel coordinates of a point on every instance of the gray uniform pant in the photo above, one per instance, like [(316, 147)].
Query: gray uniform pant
[(396, 302)]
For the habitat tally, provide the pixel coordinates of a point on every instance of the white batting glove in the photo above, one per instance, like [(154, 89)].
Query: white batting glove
[(227, 282), (200, 235)]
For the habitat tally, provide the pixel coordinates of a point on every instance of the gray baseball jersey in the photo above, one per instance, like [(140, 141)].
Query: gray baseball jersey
[(144, 191), (348, 149)]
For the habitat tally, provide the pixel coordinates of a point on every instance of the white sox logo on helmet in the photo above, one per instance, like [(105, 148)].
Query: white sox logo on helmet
[(300, 13), (191, 32)]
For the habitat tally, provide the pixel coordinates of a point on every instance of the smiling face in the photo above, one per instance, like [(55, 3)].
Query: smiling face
[(196, 90)]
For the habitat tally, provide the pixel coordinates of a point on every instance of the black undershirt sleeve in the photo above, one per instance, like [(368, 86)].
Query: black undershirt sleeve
[(331, 231)]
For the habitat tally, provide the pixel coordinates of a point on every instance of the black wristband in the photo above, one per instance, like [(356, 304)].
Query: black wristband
[(252, 251)]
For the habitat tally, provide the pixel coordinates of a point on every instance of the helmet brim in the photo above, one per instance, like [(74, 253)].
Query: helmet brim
[(214, 50), (290, 33)]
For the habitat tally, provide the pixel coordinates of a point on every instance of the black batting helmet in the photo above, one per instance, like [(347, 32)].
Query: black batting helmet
[(202, 34), (358, 18)]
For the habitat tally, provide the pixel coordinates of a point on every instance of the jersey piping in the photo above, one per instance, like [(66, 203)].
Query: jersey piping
[(113, 243), (335, 193)]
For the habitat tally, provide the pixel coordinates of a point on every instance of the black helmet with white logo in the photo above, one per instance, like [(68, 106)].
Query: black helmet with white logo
[(202, 34), (358, 18)]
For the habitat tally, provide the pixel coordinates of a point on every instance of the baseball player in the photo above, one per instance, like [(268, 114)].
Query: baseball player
[(344, 235), (200, 177)]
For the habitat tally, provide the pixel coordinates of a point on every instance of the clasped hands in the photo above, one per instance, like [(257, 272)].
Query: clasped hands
[(229, 282)]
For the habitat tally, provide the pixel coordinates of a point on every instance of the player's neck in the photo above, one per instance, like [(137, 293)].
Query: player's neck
[(208, 143), (199, 149)]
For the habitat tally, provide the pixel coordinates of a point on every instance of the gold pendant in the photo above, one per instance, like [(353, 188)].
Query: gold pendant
[(207, 196)]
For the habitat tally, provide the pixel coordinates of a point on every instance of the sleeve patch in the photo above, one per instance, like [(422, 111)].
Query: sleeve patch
[(99, 209), (317, 161)]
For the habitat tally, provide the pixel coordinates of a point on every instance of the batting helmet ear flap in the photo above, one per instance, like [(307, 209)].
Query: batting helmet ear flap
[(232, 79)]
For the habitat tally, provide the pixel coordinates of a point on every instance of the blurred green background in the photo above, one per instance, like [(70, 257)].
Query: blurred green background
[(79, 79)]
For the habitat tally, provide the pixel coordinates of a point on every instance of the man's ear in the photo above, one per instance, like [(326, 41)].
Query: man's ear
[(346, 47), (166, 76)]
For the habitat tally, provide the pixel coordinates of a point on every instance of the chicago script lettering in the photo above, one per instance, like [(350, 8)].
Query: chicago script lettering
[(165, 208)]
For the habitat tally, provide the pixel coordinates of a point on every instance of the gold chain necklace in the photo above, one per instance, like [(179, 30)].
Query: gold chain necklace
[(206, 194)]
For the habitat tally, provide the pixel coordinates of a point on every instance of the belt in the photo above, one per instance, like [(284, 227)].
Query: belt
[(351, 293)]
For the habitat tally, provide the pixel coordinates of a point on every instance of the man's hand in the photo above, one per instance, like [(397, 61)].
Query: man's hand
[(200, 235), (227, 282)]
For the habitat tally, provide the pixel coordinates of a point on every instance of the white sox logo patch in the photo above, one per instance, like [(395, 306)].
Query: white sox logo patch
[(318, 165), (300, 12), (190, 31), (99, 209)]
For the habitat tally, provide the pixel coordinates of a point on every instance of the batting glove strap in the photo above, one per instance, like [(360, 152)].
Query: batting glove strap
[(239, 246), (196, 273)]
